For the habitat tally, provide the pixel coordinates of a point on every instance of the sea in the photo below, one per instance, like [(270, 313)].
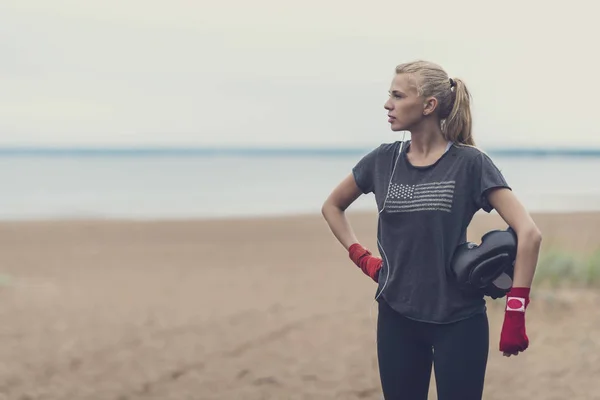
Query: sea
[(159, 183)]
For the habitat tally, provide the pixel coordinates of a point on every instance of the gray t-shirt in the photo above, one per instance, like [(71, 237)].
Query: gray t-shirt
[(425, 217)]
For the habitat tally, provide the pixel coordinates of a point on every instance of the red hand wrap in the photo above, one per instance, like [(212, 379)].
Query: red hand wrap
[(362, 257), (513, 337)]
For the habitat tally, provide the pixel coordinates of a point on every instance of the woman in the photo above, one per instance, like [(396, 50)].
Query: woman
[(427, 191)]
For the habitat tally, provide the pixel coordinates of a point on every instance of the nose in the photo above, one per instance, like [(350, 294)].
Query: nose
[(388, 105)]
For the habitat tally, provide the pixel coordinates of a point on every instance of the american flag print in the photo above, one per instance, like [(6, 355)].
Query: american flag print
[(434, 196)]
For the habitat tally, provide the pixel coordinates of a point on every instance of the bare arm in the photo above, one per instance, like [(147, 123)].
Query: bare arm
[(334, 208), (528, 234)]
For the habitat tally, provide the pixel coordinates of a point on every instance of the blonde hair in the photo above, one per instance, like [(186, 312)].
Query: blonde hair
[(454, 100)]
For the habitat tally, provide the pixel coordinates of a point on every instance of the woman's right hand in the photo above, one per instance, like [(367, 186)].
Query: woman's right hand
[(364, 259), (334, 212)]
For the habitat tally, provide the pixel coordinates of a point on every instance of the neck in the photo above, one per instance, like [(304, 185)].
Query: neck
[(427, 138)]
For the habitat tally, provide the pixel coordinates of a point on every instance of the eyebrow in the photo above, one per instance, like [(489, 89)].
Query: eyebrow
[(395, 92)]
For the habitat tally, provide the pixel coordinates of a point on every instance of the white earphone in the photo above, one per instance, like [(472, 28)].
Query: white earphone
[(379, 245)]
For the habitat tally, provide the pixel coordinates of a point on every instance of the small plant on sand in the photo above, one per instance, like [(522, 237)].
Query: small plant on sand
[(559, 268), (592, 276)]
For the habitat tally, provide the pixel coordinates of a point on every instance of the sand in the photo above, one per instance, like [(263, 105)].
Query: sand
[(248, 309)]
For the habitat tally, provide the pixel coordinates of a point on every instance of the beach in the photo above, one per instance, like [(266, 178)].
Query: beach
[(247, 308)]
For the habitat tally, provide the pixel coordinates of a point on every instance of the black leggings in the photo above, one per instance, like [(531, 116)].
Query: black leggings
[(407, 349)]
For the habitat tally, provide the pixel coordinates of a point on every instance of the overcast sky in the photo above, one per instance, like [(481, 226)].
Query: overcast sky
[(266, 72)]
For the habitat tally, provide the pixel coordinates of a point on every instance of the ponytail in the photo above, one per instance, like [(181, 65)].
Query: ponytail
[(457, 125)]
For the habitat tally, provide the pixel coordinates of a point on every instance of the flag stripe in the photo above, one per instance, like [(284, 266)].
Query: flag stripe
[(425, 196), (447, 209), (448, 186), (436, 183), (447, 191), (423, 193), (398, 204)]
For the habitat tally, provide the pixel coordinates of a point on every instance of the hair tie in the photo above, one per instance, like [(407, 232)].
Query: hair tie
[(452, 83)]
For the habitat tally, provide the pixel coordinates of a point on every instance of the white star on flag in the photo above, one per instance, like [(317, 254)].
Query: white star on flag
[(402, 191)]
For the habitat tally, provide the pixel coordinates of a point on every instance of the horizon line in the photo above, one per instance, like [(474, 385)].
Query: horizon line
[(261, 151)]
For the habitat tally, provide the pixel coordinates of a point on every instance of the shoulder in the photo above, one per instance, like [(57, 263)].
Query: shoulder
[(382, 151), (467, 150), (387, 149), (390, 148), (471, 153)]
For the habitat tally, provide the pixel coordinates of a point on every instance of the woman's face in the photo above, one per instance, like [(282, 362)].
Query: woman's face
[(405, 107)]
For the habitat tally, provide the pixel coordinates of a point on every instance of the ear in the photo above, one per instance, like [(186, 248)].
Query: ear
[(429, 106)]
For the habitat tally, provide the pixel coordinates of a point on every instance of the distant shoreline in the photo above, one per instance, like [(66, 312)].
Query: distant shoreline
[(24, 151)]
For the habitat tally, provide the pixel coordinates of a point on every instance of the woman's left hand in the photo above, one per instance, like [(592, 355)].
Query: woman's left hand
[(513, 338)]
